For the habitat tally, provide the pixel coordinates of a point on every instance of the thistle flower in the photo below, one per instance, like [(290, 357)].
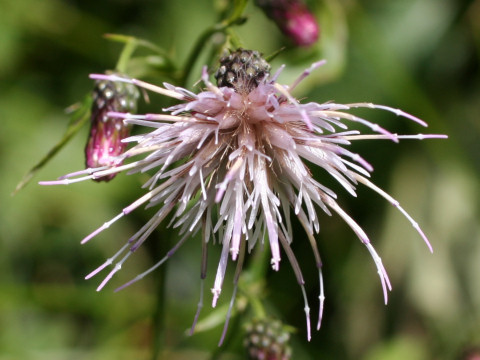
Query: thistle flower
[(293, 18), (230, 161), (106, 132)]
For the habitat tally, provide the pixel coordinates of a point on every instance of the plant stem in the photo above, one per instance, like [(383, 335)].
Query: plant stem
[(77, 120), (255, 281), (158, 317), (235, 18), (125, 56)]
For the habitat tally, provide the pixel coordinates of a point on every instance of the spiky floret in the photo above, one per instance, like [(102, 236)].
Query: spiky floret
[(239, 157)]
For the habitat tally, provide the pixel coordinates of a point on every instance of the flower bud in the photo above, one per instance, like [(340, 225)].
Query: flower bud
[(471, 353), (242, 70), (293, 18), (267, 339), (106, 133)]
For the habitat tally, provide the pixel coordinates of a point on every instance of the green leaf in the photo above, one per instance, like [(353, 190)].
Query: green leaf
[(213, 320), (78, 118), (131, 44)]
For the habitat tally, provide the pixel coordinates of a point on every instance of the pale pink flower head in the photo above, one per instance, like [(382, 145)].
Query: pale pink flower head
[(231, 162)]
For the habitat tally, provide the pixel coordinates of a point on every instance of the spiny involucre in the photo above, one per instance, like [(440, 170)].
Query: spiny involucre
[(105, 140)]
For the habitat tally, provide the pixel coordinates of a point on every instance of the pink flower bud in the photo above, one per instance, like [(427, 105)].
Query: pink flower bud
[(294, 19), (106, 133), (267, 339)]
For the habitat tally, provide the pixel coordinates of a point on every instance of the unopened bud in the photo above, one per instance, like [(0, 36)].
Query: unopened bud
[(267, 339), (471, 353), (294, 19), (242, 70), (106, 133)]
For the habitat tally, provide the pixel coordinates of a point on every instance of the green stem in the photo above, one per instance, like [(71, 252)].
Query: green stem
[(158, 317), (257, 307), (78, 119), (131, 44), (125, 56), (234, 329), (259, 266), (256, 279), (235, 18)]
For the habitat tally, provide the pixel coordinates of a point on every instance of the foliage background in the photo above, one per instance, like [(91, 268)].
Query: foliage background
[(418, 55)]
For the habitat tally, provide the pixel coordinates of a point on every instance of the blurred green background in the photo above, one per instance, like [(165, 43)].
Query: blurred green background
[(418, 55)]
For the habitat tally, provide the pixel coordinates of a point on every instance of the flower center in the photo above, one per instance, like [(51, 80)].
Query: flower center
[(242, 70)]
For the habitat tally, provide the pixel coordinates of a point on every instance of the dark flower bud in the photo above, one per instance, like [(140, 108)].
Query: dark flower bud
[(267, 339), (242, 70), (294, 19), (471, 353), (106, 133)]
